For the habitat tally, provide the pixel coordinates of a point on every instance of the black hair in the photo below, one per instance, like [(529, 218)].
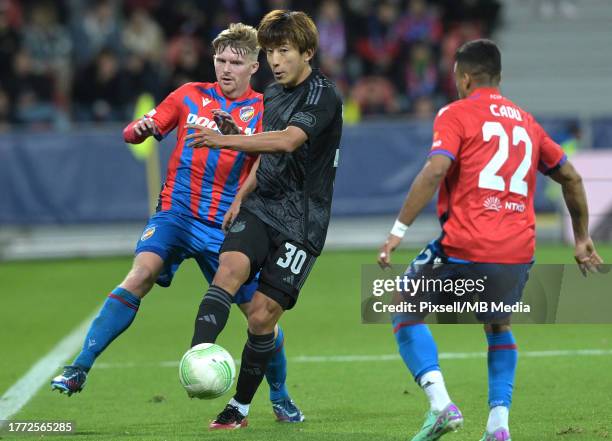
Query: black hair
[(282, 26), (481, 59)]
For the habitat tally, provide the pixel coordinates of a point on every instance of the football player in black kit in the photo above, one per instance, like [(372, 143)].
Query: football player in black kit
[(282, 223)]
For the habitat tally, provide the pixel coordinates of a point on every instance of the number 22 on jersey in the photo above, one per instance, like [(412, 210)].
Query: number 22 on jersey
[(488, 177)]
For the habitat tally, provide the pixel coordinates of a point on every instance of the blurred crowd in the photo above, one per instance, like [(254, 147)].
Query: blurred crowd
[(68, 61)]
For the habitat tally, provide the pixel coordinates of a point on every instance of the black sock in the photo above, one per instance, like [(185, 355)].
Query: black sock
[(212, 315), (257, 352)]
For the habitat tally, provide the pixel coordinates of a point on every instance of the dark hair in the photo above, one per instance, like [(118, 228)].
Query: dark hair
[(481, 59), (293, 27)]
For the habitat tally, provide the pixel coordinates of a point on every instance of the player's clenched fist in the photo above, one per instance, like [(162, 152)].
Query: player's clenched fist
[(225, 122), (145, 127)]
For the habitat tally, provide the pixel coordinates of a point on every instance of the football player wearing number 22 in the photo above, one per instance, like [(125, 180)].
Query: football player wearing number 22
[(485, 154)]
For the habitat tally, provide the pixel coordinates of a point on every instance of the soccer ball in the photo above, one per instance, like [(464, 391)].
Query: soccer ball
[(207, 371)]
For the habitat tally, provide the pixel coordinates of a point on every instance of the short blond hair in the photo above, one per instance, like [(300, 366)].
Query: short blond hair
[(241, 38)]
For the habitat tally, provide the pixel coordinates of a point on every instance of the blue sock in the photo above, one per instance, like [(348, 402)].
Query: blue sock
[(501, 360), (276, 372), (116, 315), (416, 345)]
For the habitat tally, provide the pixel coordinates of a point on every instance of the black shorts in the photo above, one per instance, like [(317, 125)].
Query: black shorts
[(284, 263)]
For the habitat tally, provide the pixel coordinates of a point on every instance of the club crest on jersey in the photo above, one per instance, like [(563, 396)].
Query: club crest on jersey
[(147, 233), (492, 203), (246, 113)]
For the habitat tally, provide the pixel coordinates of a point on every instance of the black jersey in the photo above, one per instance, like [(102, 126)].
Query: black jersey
[(294, 190)]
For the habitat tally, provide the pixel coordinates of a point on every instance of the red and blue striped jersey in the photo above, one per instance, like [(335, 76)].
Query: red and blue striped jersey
[(203, 182), (487, 198)]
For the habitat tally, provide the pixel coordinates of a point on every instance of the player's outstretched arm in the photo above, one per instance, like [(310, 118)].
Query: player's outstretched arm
[(249, 185), (423, 189), (279, 141), (575, 199), (139, 130)]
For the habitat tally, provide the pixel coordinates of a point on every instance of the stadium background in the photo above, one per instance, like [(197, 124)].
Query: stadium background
[(74, 199)]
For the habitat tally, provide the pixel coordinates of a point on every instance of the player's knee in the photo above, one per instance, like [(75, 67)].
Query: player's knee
[(261, 321), (230, 277), (263, 314), (140, 280)]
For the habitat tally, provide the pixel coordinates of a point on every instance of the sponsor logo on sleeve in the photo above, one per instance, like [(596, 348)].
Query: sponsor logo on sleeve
[(306, 118)]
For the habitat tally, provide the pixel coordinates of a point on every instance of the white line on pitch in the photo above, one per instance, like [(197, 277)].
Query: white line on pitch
[(382, 357), (39, 374)]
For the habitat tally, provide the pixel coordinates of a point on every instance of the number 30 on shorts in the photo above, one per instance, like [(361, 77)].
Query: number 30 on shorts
[(294, 258)]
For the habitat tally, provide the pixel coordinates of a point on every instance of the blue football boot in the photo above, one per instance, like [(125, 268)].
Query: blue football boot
[(286, 411), (70, 381)]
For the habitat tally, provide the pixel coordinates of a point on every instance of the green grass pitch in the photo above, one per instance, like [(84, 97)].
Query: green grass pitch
[(132, 395)]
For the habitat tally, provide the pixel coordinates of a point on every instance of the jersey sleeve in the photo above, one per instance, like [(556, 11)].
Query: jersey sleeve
[(166, 114), (447, 134), (552, 155), (317, 111)]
